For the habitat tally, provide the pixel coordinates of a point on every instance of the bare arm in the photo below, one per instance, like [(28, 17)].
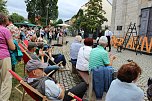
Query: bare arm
[(111, 60), (61, 96), (11, 45)]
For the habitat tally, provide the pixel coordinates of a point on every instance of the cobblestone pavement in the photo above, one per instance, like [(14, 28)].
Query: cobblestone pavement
[(144, 61)]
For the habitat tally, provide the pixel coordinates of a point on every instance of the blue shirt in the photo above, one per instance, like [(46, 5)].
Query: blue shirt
[(123, 91), (74, 49)]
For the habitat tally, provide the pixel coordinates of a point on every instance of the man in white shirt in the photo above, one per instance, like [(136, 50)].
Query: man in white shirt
[(108, 34)]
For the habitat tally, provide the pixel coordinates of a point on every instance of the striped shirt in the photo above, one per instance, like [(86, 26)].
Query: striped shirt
[(98, 57)]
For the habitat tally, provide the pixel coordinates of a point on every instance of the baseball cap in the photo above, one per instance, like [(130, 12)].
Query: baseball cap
[(103, 40), (35, 64)]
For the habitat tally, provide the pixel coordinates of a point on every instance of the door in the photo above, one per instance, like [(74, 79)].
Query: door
[(144, 21), (149, 30)]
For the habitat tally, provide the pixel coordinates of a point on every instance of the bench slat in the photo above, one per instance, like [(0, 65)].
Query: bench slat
[(84, 76)]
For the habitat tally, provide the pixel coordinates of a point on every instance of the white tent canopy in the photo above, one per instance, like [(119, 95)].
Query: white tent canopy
[(63, 25)]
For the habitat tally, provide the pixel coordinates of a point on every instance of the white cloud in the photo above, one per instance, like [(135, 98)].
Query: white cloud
[(67, 8), (17, 6)]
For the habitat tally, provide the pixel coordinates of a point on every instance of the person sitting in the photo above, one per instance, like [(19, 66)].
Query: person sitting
[(74, 49), (57, 58), (123, 88), (47, 86), (83, 55), (31, 51), (99, 56)]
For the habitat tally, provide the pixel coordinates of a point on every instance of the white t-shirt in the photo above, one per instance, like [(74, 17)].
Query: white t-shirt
[(122, 91), (83, 58)]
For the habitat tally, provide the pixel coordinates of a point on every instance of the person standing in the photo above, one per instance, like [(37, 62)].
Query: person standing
[(108, 34), (6, 44)]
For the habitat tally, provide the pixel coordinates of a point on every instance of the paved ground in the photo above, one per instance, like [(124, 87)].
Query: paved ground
[(144, 61)]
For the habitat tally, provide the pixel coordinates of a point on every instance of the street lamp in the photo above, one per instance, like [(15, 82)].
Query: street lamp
[(47, 14)]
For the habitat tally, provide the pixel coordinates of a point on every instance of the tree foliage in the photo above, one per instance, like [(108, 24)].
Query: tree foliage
[(14, 17), (39, 8), (91, 18), (3, 6), (60, 21)]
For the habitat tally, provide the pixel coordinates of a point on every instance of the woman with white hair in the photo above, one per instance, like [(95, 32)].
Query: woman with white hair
[(74, 49)]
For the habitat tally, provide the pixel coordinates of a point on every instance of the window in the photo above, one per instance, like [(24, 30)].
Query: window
[(119, 27)]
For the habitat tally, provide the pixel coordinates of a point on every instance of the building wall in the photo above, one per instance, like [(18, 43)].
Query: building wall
[(108, 9), (126, 11)]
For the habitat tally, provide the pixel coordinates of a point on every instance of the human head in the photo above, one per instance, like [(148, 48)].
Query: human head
[(3, 19), (32, 46), (78, 38), (34, 38), (88, 41), (103, 41), (129, 72), (35, 67)]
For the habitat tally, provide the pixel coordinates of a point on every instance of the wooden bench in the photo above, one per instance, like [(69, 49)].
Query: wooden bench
[(84, 76)]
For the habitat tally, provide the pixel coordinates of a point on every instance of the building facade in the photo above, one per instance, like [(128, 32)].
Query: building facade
[(136, 11)]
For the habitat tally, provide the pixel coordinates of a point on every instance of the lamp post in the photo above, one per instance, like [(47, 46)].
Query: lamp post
[(47, 14)]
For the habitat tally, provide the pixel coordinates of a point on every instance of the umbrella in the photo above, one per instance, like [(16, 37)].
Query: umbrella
[(27, 24), (63, 25)]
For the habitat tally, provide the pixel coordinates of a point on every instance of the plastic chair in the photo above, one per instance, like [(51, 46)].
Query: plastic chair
[(29, 89)]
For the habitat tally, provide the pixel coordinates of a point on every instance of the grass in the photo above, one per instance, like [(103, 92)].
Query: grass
[(16, 95)]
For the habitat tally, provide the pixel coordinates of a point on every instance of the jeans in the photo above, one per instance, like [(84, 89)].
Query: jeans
[(50, 68), (74, 61), (102, 78), (79, 90), (59, 58)]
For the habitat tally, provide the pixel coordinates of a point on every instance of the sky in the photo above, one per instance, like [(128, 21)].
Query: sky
[(67, 8)]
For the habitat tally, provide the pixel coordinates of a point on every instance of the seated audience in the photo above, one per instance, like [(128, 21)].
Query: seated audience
[(74, 49), (83, 55), (57, 58), (52, 90), (124, 88), (31, 52)]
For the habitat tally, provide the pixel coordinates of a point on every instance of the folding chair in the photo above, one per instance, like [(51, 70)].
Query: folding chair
[(25, 42), (74, 96), (29, 89), (26, 57)]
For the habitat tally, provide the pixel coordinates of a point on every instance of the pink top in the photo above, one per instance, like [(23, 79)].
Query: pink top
[(5, 34)]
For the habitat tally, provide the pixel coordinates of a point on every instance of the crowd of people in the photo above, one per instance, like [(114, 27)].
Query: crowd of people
[(85, 57)]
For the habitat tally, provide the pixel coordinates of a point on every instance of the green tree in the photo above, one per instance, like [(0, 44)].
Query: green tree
[(60, 21), (3, 6), (39, 8), (14, 17), (91, 18)]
